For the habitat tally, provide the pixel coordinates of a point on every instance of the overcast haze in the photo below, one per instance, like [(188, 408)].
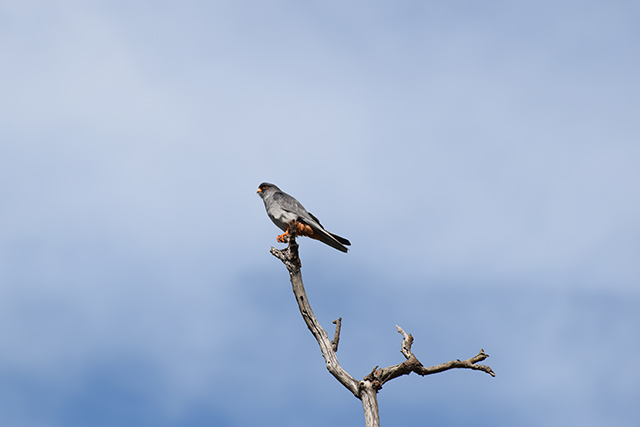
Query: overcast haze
[(482, 157)]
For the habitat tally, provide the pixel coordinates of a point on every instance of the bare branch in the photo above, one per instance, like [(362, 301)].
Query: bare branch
[(336, 335), (412, 364), (467, 364), (290, 258), (367, 389), (387, 374), (407, 341)]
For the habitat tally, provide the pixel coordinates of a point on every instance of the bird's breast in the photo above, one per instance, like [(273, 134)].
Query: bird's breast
[(280, 217)]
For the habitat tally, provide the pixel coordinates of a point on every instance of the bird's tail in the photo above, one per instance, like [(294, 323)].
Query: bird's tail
[(332, 240), (340, 239)]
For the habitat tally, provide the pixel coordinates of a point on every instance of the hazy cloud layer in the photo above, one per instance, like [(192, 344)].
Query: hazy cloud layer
[(482, 159)]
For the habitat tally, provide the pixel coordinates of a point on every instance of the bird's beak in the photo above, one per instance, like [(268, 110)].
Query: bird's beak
[(259, 190)]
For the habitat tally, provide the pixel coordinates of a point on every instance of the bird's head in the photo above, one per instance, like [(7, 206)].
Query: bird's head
[(265, 187)]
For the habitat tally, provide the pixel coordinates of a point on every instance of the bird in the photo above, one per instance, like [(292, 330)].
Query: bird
[(283, 209)]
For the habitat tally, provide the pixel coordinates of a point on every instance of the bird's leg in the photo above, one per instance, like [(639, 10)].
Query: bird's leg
[(281, 238), (304, 230)]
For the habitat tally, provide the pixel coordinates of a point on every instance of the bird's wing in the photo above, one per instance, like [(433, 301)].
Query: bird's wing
[(315, 219), (325, 237), (290, 204), (319, 233)]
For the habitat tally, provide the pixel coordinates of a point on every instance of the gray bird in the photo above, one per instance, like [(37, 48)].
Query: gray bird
[(282, 209)]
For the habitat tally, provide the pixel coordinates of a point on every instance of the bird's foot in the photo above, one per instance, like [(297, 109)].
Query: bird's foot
[(283, 238)]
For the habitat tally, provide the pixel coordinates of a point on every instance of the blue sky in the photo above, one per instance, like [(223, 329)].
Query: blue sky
[(481, 158)]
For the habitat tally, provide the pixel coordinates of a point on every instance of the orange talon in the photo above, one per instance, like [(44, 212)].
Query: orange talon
[(280, 238)]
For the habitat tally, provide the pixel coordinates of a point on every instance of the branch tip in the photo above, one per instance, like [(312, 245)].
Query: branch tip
[(289, 255), (336, 335)]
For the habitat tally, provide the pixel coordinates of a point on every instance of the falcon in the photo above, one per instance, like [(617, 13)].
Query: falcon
[(282, 209)]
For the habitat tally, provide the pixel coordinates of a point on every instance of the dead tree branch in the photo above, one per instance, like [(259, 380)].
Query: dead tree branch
[(336, 335), (290, 258), (367, 389), (380, 376)]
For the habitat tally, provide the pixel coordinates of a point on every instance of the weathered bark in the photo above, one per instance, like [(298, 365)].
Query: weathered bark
[(367, 389), (290, 257), (369, 398)]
